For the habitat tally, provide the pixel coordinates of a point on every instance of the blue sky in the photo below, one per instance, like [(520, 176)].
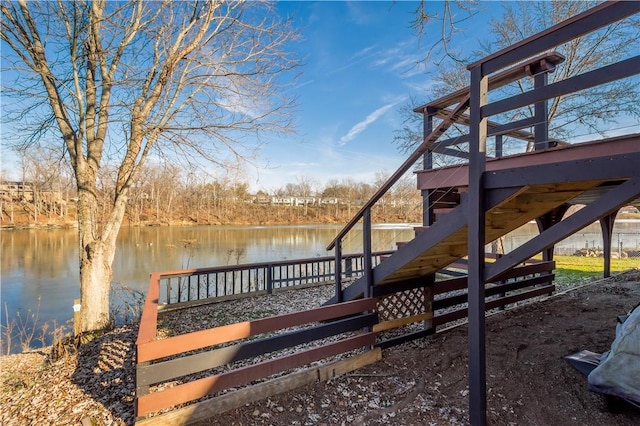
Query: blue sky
[(363, 61)]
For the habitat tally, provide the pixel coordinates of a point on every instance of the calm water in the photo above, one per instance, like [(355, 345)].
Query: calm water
[(40, 267)]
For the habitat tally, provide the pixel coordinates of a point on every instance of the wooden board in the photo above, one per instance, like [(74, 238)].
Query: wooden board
[(200, 339), (388, 325), (214, 406), (208, 385)]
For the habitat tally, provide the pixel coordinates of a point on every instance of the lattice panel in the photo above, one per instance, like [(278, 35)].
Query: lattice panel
[(403, 304)]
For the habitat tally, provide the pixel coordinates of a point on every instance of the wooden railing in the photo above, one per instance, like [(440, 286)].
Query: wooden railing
[(204, 285), (431, 142), (482, 108), (449, 297), (216, 350)]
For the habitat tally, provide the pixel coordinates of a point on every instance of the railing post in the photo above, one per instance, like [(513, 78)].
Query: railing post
[(337, 269), (427, 164), (541, 115), (368, 263), (269, 279), (141, 390), (499, 145)]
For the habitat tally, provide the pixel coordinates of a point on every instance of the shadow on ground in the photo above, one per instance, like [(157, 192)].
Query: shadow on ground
[(106, 372)]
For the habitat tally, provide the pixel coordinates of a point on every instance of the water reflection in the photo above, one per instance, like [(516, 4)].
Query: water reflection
[(43, 264)]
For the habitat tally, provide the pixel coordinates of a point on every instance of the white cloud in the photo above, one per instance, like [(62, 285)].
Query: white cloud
[(362, 125), (234, 103)]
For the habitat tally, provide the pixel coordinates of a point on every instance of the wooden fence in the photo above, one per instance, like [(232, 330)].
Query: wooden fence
[(178, 372), (204, 285)]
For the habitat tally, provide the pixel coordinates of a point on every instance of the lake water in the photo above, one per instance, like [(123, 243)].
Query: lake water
[(40, 267)]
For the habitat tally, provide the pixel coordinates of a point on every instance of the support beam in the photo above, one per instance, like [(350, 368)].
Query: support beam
[(606, 224), (547, 221), (476, 243), (605, 167)]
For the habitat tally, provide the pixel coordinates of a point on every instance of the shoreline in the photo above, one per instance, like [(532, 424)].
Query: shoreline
[(74, 225)]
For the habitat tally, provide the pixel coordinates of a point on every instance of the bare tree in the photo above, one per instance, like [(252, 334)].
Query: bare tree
[(447, 17), (585, 111), (46, 173), (120, 81)]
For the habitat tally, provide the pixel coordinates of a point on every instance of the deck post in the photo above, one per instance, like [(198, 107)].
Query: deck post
[(368, 263), (427, 164), (541, 115), (606, 225), (338, 271), (476, 240), (547, 221), (427, 129), (499, 146)]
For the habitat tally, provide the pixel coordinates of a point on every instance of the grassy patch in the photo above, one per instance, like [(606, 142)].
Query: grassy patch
[(572, 269)]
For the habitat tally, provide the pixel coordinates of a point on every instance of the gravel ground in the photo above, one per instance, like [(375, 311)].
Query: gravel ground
[(96, 384)]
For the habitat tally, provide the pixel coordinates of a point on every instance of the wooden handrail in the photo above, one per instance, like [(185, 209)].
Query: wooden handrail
[(424, 146), (546, 62), (576, 26)]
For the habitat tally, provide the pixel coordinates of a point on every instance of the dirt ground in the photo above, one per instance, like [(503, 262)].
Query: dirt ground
[(419, 383), (425, 382)]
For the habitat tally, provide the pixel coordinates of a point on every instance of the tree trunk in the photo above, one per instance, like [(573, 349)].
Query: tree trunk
[(95, 283), (97, 251)]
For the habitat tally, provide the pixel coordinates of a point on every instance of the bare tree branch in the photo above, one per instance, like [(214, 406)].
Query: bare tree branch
[(122, 80)]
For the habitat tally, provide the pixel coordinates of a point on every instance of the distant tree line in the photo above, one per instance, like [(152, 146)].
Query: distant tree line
[(166, 195)]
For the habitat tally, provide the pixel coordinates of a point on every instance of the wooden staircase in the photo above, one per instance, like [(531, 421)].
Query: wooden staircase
[(442, 244), (512, 202), (516, 189)]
